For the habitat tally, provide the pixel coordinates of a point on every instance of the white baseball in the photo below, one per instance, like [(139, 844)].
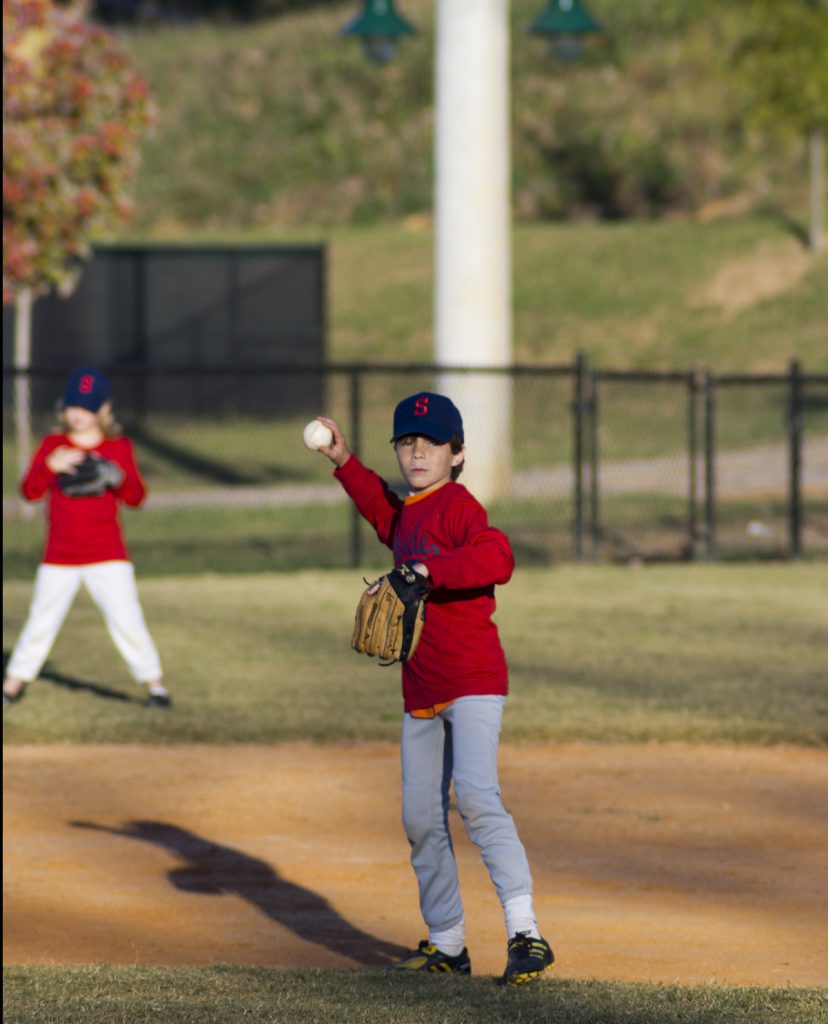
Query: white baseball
[(317, 435)]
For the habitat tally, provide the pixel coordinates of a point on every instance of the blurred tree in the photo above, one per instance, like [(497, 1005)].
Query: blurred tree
[(74, 110), (783, 60)]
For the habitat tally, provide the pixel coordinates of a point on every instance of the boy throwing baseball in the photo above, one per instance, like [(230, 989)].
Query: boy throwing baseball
[(454, 686)]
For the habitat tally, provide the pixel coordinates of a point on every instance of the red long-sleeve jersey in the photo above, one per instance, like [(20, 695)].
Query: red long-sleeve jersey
[(459, 653), (85, 530)]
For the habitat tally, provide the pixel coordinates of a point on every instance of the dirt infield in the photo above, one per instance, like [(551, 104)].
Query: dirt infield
[(654, 863)]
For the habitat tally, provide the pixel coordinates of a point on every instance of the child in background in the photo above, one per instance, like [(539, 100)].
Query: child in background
[(454, 686), (84, 542)]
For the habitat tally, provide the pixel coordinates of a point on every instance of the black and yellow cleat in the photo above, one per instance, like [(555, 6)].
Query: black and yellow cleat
[(427, 957), (526, 959)]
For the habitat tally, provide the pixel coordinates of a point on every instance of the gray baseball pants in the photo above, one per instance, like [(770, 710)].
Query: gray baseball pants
[(459, 744)]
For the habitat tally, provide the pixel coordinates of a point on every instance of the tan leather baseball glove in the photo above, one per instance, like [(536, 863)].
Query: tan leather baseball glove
[(390, 616)]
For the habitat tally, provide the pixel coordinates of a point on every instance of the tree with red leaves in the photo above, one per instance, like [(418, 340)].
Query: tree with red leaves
[(74, 113)]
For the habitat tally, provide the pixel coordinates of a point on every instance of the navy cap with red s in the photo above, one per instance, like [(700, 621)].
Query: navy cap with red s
[(88, 388), (430, 415)]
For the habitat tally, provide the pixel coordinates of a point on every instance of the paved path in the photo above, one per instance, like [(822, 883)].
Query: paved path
[(755, 470), (762, 470)]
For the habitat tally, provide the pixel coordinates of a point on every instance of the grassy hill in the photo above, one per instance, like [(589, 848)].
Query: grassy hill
[(280, 130), (283, 122), (735, 296)]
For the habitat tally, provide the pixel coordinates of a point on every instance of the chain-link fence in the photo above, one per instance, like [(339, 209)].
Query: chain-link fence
[(590, 463)]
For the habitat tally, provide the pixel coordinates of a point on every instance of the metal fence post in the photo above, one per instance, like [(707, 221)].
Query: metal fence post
[(709, 466), (594, 495), (692, 458), (795, 418), (140, 344), (356, 447), (578, 454)]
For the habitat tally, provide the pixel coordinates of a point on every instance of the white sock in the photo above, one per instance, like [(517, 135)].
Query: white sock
[(451, 941), (158, 689), (520, 916)]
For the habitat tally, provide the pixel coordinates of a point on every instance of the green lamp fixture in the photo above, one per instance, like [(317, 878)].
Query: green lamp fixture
[(565, 22), (379, 27)]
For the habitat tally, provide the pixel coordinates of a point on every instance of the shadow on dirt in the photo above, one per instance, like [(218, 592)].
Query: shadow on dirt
[(210, 869)]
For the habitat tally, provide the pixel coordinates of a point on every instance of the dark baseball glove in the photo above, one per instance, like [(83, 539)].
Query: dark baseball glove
[(92, 476), (390, 616)]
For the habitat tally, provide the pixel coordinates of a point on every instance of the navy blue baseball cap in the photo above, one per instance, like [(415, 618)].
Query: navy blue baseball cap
[(88, 388), (430, 415)]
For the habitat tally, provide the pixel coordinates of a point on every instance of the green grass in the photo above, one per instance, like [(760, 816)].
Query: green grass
[(238, 995), (232, 538), (692, 653), (635, 295)]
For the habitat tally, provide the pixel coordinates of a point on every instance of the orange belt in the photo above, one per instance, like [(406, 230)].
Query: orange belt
[(431, 712)]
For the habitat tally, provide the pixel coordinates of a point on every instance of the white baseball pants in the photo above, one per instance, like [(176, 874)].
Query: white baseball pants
[(111, 585)]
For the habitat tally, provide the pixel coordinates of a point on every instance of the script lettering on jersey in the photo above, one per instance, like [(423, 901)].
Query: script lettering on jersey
[(414, 545)]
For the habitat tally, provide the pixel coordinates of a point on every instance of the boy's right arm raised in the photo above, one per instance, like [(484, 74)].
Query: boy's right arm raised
[(373, 498)]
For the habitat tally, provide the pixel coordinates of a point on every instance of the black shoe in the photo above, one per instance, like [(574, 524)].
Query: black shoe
[(527, 959), (427, 957), (159, 700)]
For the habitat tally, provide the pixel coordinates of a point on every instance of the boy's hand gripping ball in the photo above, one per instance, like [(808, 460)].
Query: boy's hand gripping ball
[(316, 435)]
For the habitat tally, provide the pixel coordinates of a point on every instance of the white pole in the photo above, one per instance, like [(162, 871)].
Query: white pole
[(473, 320), (22, 385)]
